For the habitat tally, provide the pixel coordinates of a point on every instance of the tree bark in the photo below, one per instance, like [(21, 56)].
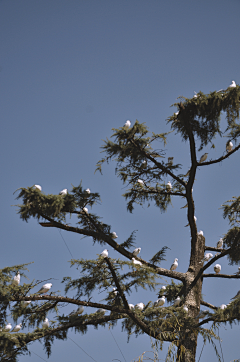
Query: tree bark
[(188, 341)]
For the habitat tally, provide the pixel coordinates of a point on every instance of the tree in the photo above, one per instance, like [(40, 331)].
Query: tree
[(145, 170)]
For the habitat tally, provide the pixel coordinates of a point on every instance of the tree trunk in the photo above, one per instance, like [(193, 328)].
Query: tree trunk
[(188, 344)]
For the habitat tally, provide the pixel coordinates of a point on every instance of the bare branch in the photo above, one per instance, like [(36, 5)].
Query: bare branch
[(208, 305), (219, 159), (221, 276)]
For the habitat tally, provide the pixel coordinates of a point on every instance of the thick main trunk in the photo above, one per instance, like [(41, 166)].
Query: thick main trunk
[(188, 344)]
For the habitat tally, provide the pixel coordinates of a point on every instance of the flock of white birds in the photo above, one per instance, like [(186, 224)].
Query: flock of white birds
[(159, 302)]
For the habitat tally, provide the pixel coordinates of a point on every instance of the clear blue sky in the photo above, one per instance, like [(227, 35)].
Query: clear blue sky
[(72, 70)]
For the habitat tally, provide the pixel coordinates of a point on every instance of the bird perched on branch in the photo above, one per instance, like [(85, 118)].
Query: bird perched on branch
[(16, 279), (177, 301), (88, 191), (136, 262), (203, 158), (140, 306), (169, 186), (207, 257), (114, 235), (127, 124), (45, 288), (229, 146), (38, 187), (161, 301), (220, 243), (63, 192), (8, 327), (45, 323), (136, 251), (174, 264), (233, 85), (17, 327), (217, 268), (104, 253)]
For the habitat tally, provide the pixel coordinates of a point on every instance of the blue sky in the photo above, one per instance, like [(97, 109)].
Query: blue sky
[(70, 71)]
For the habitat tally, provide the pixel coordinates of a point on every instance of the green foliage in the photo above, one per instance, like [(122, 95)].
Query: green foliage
[(201, 115), (231, 210), (232, 240), (159, 256)]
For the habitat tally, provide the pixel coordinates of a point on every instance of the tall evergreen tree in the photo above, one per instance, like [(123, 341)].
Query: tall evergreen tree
[(145, 170)]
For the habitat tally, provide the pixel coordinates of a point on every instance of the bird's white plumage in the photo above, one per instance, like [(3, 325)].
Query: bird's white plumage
[(233, 85), (45, 288), (200, 232), (115, 291), (195, 219), (16, 279), (85, 209), (38, 187), (177, 301), (17, 327), (217, 268), (140, 182), (101, 310), (45, 323), (136, 262), (131, 306), (104, 253), (80, 309), (174, 264), (176, 113), (229, 146), (163, 288), (63, 192), (161, 301), (114, 235), (8, 327), (207, 256), (203, 158), (185, 308), (140, 306), (127, 124), (88, 191), (220, 243), (223, 306), (25, 303), (169, 186), (136, 251)]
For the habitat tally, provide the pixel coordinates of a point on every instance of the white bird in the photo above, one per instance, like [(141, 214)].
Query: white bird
[(203, 158), (220, 243), (144, 164), (26, 302), (174, 264), (38, 187), (176, 113), (237, 295), (163, 288), (8, 327), (136, 251), (80, 309), (223, 306), (63, 192), (185, 308), (217, 268), (88, 191), (140, 306), (115, 291), (238, 272), (127, 124), (114, 235), (169, 186), (140, 182), (17, 327), (195, 219), (73, 312), (136, 262), (177, 301), (233, 85), (16, 279), (161, 301), (45, 323), (200, 232), (101, 310), (207, 256), (170, 160), (195, 95), (45, 288), (104, 253), (85, 209), (131, 306), (229, 146)]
